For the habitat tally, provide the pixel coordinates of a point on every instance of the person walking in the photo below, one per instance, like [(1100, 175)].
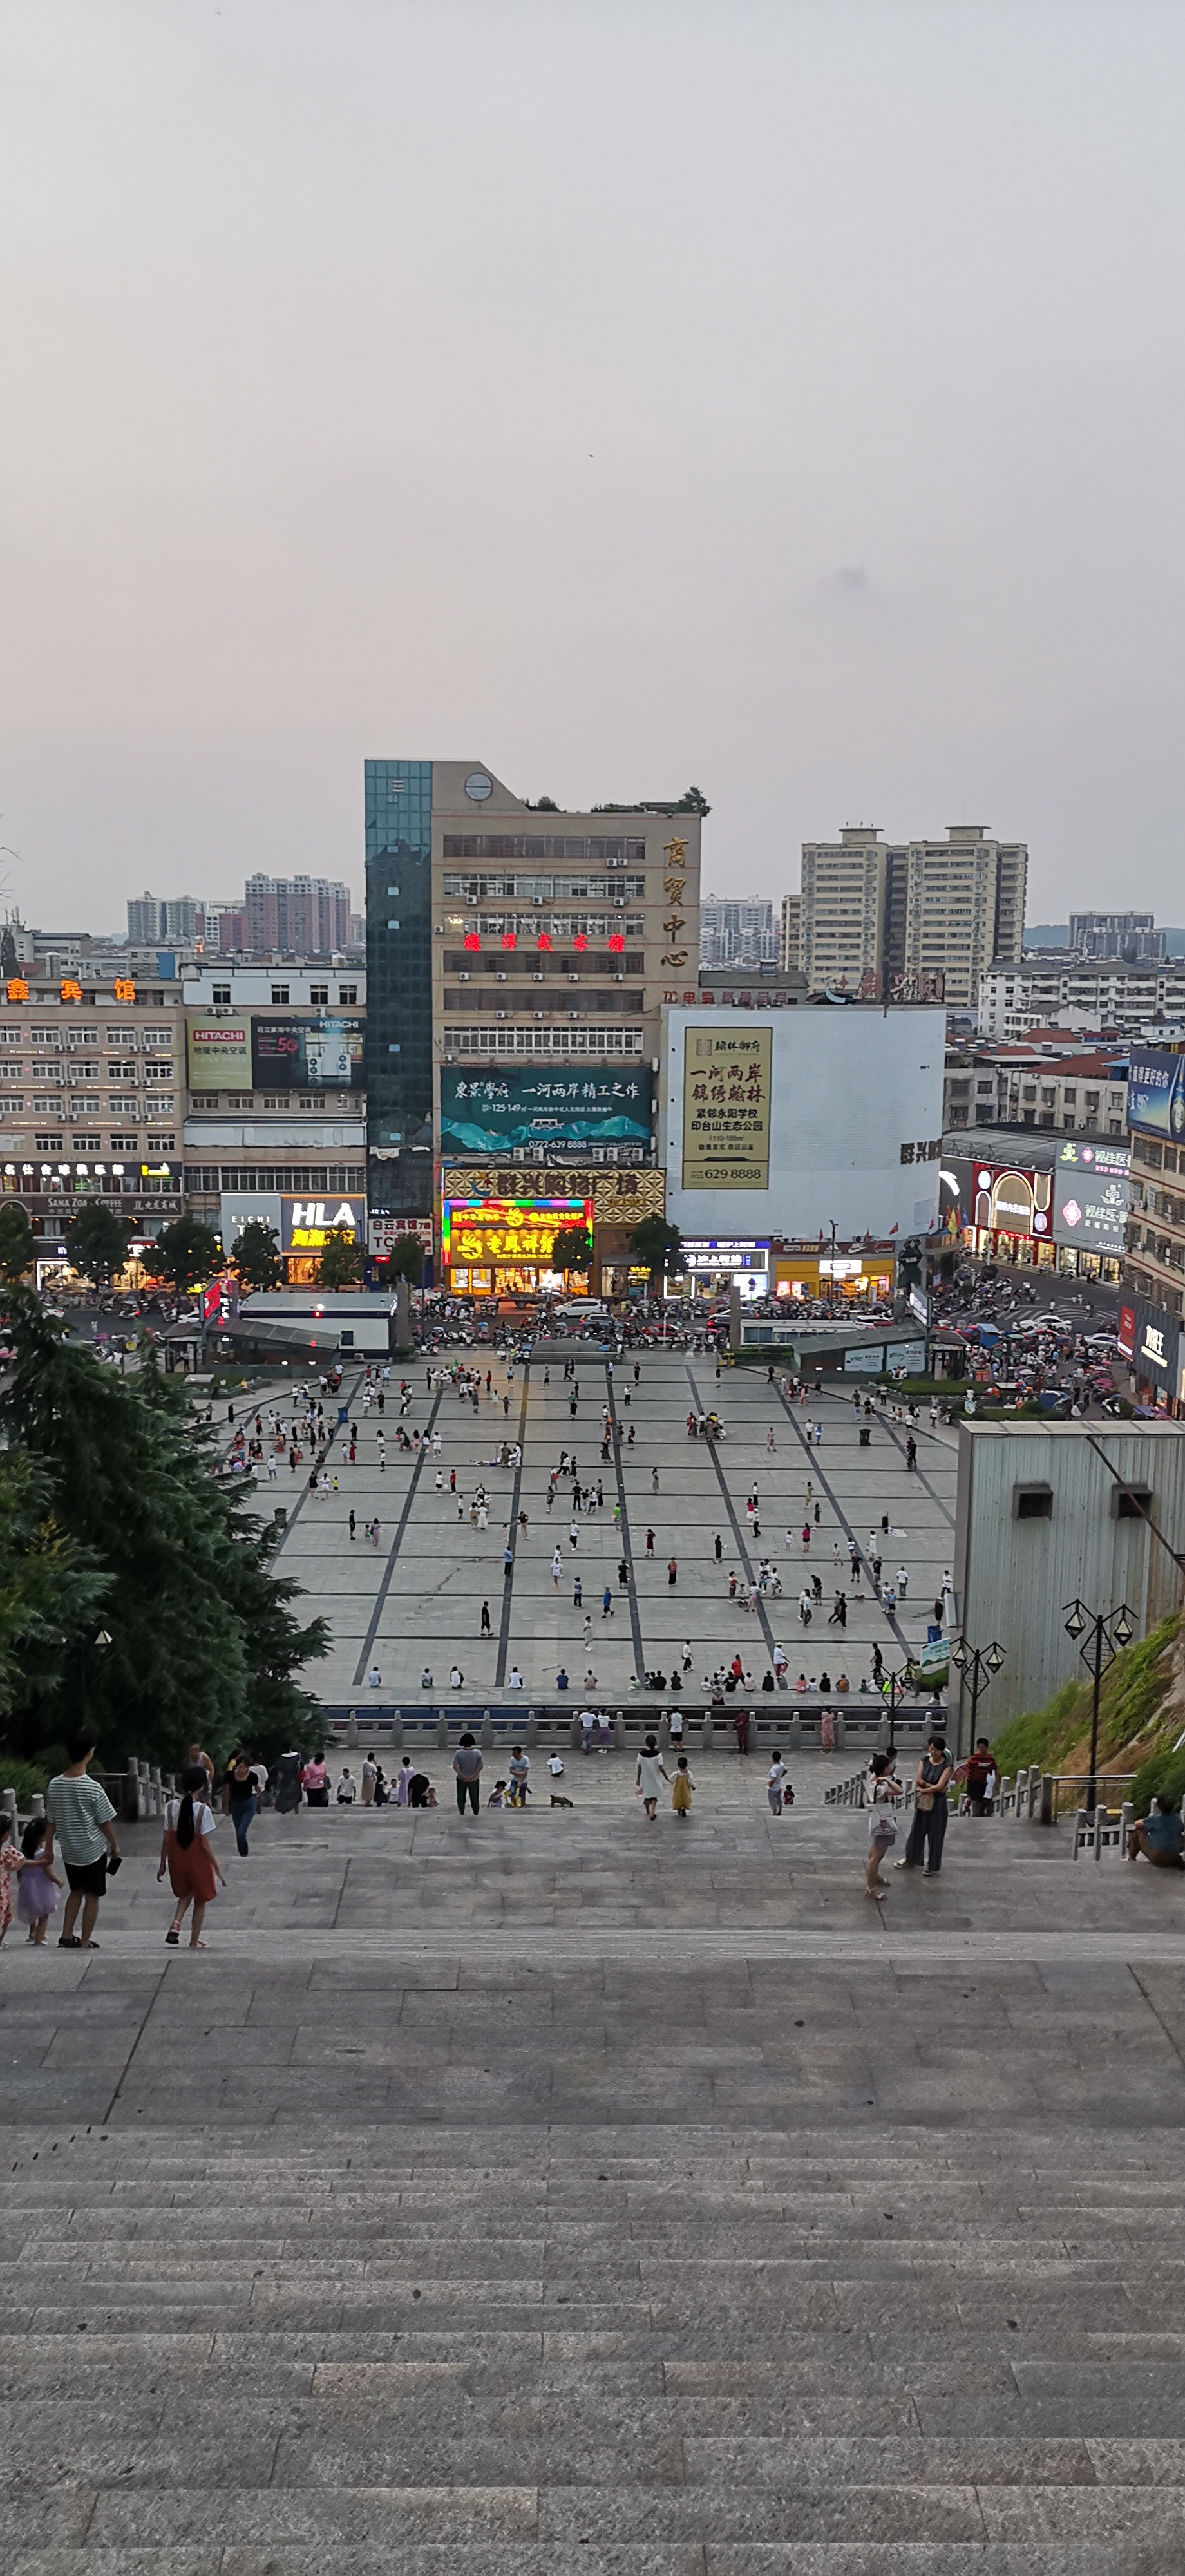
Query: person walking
[(902, 1582), (884, 1791), (651, 1769), (775, 1782), (520, 1770), (467, 1767), (186, 1854), (672, 1572), (370, 1775), (82, 1818), (243, 1797), (719, 1547), (806, 1606), (485, 1619), (927, 1834), (682, 1789), (556, 1569)]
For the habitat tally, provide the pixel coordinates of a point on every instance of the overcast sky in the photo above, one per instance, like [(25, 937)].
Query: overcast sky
[(784, 395)]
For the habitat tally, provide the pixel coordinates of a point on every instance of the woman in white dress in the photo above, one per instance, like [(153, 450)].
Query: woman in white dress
[(651, 1771)]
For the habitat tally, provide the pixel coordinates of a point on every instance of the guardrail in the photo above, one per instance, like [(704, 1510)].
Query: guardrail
[(794, 1727)]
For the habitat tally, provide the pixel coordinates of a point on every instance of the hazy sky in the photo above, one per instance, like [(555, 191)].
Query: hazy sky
[(784, 395)]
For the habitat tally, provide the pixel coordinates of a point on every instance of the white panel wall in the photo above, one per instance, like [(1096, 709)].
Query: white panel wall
[(850, 1087)]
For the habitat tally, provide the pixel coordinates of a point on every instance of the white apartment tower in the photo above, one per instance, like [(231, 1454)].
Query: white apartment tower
[(883, 917)]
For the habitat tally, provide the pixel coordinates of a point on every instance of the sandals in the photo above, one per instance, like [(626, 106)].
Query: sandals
[(173, 1936), (69, 1941)]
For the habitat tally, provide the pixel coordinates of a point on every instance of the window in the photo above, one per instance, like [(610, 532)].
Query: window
[(121, 1037), (221, 993), (48, 1144), (279, 993), (119, 1106), (347, 993), (160, 1144), (1069, 1095), (86, 1144), (318, 992), (11, 1103), (125, 1144)]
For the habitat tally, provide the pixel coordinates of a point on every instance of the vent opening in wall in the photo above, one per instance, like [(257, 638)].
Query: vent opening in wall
[(1032, 1502), (1131, 1502)]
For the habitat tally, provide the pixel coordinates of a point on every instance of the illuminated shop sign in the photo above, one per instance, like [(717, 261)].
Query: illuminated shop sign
[(515, 1231)]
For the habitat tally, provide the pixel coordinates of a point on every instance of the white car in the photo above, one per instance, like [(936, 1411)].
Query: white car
[(583, 1310)]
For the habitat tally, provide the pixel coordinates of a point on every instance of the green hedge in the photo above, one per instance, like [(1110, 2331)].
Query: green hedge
[(32, 1779), (1162, 1775)]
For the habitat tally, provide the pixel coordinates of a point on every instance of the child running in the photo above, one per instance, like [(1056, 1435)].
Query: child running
[(682, 1790), (37, 1891)]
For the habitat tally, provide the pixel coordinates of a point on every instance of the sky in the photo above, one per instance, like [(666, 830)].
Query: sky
[(780, 395)]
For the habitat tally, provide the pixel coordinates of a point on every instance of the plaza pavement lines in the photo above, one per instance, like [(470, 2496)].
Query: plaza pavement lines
[(742, 1550), (627, 1542), (380, 1598), (508, 1570), (302, 1497), (837, 1508)]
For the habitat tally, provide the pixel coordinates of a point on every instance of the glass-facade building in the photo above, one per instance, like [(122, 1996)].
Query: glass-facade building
[(399, 986)]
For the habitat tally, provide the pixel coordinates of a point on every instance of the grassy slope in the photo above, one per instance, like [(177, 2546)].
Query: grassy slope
[(1141, 1713)]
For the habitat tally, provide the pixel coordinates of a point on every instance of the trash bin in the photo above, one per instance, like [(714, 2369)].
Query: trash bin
[(280, 1515)]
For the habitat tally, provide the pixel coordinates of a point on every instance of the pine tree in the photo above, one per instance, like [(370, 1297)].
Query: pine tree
[(18, 1243), (97, 1242), (52, 1596)]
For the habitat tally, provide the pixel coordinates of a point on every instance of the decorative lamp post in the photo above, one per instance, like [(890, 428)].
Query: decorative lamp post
[(1105, 1632), (976, 1666)]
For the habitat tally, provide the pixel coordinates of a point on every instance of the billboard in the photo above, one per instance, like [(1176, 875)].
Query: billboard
[(290, 1054), (726, 1098), (564, 1109), (306, 1224), (1090, 1196), (1156, 1339), (515, 1231), (218, 1052), (255, 1207), (1156, 1093)]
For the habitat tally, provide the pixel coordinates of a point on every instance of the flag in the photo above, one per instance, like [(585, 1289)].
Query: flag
[(894, 1228)]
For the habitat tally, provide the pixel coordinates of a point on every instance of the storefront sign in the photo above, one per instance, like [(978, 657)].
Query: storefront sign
[(1004, 1200), (306, 1224), (712, 1254), (1157, 1336), (257, 1207), (562, 1110), (518, 1233), (1090, 1196), (1126, 1331), (308, 1055), (386, 1231), (726, 1108), (219, 1053), (1156, 1093)]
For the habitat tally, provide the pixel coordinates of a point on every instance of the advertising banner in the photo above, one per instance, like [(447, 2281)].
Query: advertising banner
[(1090, 1196), (1126, 1332), (306, 1224), (564, 1109), (1155, 1355), (247, 1208), (514, 1231), (1156, 1093), (218, 1052), (288, 1054), (385, 1232), (726, 1108)]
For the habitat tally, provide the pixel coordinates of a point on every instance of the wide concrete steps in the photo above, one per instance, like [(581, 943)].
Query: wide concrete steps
[(642, 2355)]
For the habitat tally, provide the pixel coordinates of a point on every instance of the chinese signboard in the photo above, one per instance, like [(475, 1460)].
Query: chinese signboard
[(306, 1224), (564, 1109), (1155, 1354), (308, 1055), (515, 1231), (386, 1231), (726, 1089), (1090, 1196), (1156, 1093), (219, 1053)]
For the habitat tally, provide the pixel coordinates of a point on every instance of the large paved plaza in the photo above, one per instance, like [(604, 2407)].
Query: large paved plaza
[(414, 1602)]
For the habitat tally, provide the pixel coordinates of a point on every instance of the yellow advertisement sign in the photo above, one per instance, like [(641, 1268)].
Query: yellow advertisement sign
[(726, 1088), (219, 1053)]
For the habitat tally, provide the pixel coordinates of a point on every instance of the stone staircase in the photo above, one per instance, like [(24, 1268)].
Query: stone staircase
[(850, 2334)]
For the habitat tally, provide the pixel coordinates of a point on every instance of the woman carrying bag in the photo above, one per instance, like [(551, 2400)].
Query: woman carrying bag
[(927, 1832)]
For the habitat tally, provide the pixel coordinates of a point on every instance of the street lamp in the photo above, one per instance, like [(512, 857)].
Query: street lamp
[(976, 1666), (1105, 1633)]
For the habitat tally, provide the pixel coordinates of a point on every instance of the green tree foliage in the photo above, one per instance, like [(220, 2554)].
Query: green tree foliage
[(183, 1253), (256, 1256), (657, 1246), (18, 1243), (340, 1265), (8, 957), (572, 1249), (204, 1640), (52, 1595), (97, 1242)]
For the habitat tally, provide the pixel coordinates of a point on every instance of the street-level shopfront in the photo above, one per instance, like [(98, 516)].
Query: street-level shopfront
[(497, 1228), (1152, 1342), (148, 1195), (713, 1262), (1001, 1212), (850, 1278)]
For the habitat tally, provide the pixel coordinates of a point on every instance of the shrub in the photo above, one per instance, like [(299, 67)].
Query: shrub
[(1162, 1775), (32, 1779), (1040, 1734)]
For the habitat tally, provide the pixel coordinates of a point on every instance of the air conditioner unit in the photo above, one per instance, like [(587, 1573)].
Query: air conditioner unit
[(619, 979), (501, 1015), (501, 976), (466, 977), (537, 978), (471, 898), (619, 900), (538, 898), (573, 979), (538, 1015)]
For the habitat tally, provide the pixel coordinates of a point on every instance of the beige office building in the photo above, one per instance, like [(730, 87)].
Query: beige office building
[(791, 948), (842, 909)]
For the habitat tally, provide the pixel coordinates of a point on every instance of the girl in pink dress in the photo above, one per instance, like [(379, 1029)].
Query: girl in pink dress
[(11, 1860)]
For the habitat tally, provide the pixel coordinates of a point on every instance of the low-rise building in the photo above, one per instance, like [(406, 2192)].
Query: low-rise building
[(1050, 1081), (91, 1094), (275, 1102), (1024, 993)]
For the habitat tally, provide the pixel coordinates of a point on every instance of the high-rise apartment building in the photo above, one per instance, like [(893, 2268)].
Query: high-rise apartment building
[(892, 917), (842, 920), (1131, 936), (297, 916), (791, 933), (155, 921), (518, 960), (737, 932)]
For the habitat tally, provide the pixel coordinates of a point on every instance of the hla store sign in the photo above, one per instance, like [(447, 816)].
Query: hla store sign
[(306, 1224)]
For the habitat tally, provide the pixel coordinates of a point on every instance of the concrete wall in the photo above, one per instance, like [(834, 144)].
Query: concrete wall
[(1013, 1576), (850, 1087)]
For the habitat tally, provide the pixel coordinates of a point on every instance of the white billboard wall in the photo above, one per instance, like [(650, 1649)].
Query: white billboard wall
[(855, 1120)]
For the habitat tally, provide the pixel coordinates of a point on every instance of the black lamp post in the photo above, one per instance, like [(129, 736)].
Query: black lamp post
[(1105, 1633), (976, 1666)]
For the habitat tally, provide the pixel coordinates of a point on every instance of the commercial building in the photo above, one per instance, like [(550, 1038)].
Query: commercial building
[(275, 1105), (518, 961), (1047, 1514), (91, 1089), (1061, 1206), (1130, 935), (1050, 1081), (917, 920), (1154, 1266), (1024, 993), (816, 1129)]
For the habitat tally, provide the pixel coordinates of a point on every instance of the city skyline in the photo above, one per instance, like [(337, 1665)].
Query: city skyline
[(776, 481)]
